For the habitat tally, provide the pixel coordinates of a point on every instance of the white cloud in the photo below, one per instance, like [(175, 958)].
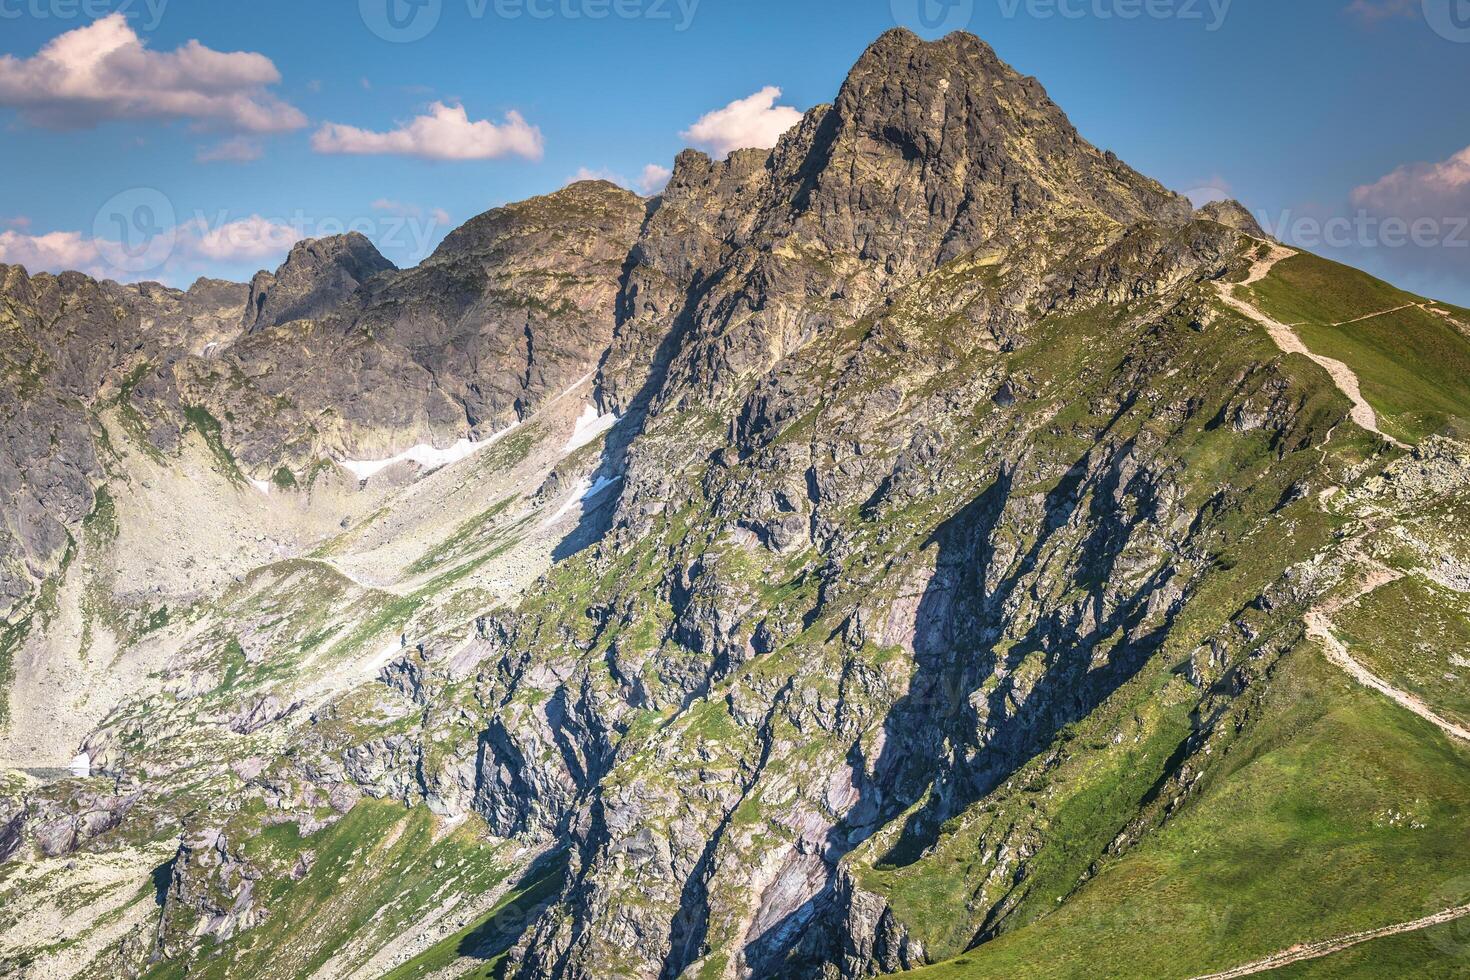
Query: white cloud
[(441, 217), (246, 240), (654, 179), (103, 72), (755, 121), (189, 246), (241, 149), (52, 252), (446, 133), (19, 221), (650, 181), (1416, 190)]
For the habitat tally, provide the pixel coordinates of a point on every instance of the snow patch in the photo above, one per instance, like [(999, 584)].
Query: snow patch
[(389, 653), (590, 428), (81, 765), (262, 485), (424, 455), (588, 491)]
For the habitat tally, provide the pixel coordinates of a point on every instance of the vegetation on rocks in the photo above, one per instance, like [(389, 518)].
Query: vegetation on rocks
[(971, 582)]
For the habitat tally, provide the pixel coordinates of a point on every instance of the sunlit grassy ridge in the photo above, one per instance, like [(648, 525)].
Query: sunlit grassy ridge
[(1437, 953), (1335, 811), (1413, 364), (1415, 635), (1338, 812)]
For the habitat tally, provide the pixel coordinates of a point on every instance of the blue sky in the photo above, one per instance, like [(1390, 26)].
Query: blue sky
[(1308, 111)]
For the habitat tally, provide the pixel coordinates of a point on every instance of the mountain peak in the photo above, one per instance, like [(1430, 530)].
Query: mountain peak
[(317, 275), (954, 107), (1233, 214), (580, 204), (900, 42)]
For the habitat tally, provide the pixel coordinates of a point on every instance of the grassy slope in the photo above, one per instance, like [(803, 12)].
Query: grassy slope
[(1107, 766), (376, 871), (1406, 633), (1298, 837), (1441, 953), (11, 638), (485, 941), (1101, 782), (1414, 366), (1308, 827)]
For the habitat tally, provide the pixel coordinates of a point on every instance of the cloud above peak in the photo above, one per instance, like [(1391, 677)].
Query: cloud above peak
[(1439, 190), (185, 248), (650, 181), (104, 72), (653, 179), (754, 121), (446, 132)]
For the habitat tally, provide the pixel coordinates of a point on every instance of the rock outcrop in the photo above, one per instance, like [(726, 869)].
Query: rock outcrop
[(936, 536), (317, 278)]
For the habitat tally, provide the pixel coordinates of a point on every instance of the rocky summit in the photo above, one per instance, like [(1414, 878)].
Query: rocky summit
[(927, 545)]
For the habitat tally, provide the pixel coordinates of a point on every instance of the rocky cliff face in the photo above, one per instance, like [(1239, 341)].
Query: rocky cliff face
[(930, 152), (336, 355), (316, 278), (889, 536)]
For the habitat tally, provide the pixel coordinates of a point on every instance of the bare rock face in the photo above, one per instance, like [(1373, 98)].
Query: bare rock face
[(929, 152), (934, 432), (1233, 214), (60, 341), (211, 892), (316, 278), (515, 306), (199, 321), (336, 353), (51, 827)]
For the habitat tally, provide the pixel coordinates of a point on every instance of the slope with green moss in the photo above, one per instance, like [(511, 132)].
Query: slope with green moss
[(1412, 362), (939, 601)]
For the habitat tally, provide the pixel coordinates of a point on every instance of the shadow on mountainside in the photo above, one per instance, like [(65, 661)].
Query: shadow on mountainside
[(948, 745), (967, 723), (534, 892), (597, 520)]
